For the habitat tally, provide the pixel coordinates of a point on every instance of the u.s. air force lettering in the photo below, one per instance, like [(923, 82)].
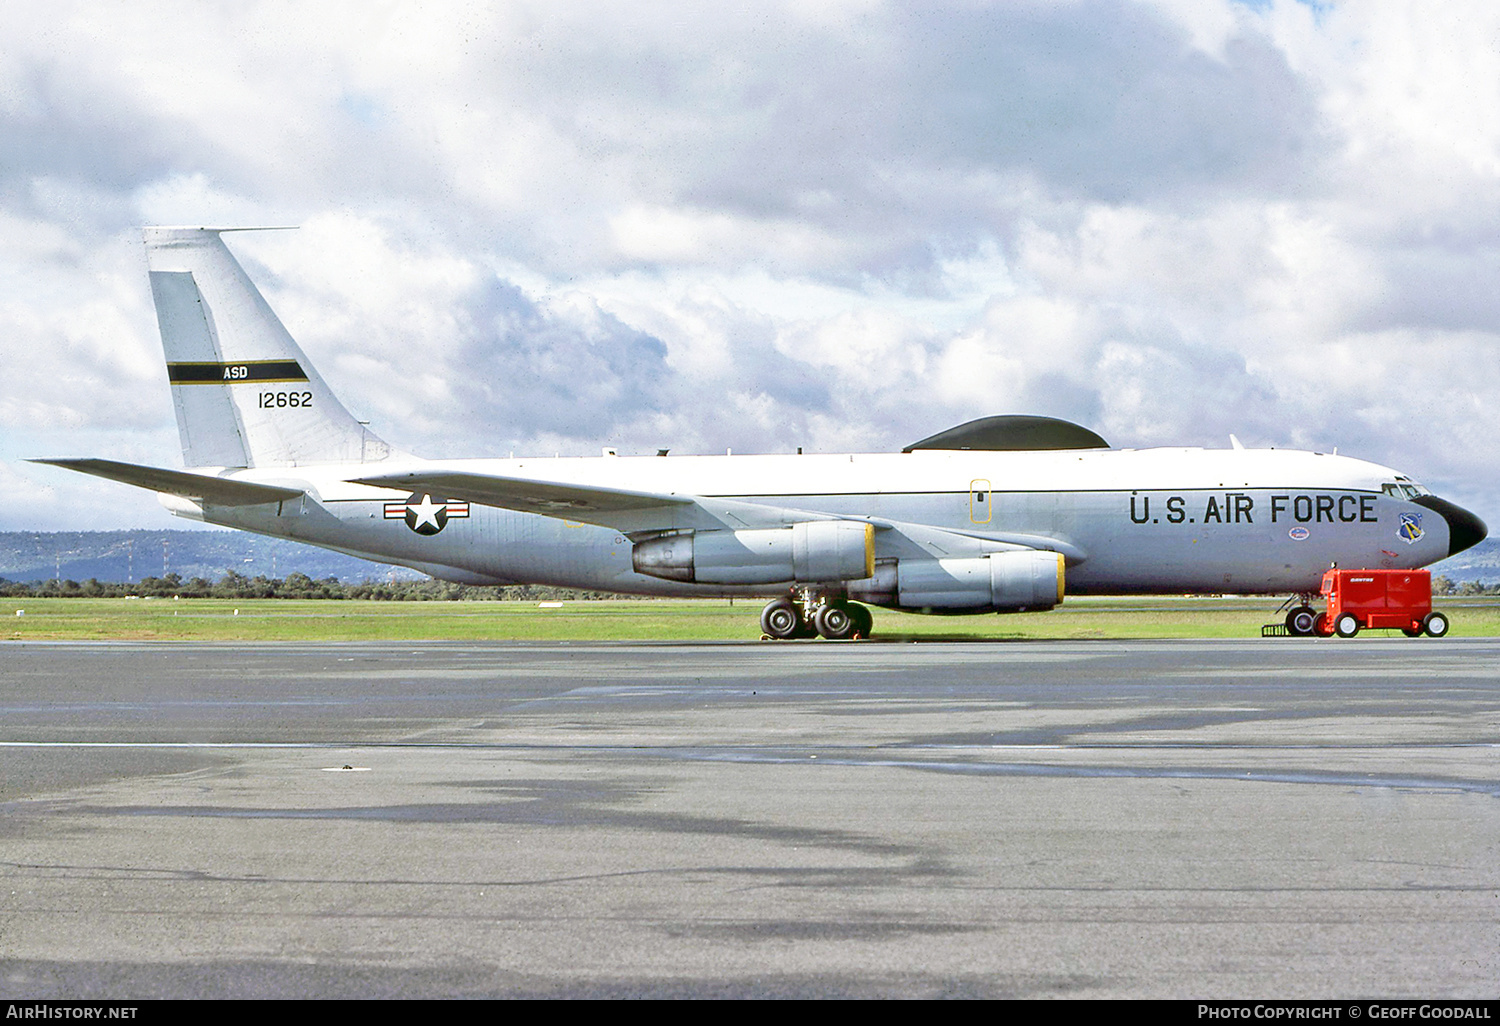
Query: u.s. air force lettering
[(423, 515), (1240, 508)]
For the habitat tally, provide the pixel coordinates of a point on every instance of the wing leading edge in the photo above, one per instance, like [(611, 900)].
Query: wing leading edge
[(627, 511)]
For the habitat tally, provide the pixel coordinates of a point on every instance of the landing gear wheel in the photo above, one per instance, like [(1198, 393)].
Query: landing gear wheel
[(1299, 622), (781, 619), (864, 621), (1412, 632), (1435, 624), (1320, 625), (834, 621), (1346, 626)]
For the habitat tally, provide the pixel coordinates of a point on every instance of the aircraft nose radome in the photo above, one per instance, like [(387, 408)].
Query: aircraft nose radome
[(1465, 530)]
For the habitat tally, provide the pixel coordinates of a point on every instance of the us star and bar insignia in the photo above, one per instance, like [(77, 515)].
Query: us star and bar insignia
[(423, 515)]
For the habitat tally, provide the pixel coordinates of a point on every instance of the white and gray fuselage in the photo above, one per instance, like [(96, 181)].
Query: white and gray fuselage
[(1126, 521)]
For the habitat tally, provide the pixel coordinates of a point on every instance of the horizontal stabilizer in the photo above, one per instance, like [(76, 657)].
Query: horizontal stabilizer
[(217, 490)]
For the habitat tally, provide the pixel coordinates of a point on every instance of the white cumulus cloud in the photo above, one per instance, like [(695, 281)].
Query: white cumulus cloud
[(533, 226)]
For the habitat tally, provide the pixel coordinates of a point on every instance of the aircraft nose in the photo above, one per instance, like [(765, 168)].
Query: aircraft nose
[(1465, 530)]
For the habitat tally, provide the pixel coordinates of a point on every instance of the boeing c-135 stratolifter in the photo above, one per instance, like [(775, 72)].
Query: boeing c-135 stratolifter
[(997, 515)]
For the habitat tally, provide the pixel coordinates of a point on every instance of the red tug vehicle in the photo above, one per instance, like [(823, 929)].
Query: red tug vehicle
[(1359, 599)]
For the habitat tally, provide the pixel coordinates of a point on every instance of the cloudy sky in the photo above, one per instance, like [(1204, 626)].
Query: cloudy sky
[(555, 226)]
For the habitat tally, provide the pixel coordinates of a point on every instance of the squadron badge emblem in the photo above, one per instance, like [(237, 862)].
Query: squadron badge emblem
[(1411, 527)]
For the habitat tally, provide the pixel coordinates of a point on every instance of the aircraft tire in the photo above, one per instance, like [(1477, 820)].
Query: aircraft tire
[(864, 620), (834, 621), (1412, 632), (1320, 625), (1346, 626), (781, 619), (1435, 624), (1299, 622)]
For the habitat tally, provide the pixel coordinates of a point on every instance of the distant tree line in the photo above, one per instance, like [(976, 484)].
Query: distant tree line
[(293, 586), (1443, 586)]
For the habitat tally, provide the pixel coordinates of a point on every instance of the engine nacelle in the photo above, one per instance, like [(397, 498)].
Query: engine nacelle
[(807, 553), (1001, 581)]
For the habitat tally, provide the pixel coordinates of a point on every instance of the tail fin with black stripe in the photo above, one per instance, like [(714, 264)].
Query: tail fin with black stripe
[(244, 391)]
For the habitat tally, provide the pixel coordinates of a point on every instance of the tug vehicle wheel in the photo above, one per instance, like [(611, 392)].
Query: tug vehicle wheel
[(1346, 626), (1435, 624)]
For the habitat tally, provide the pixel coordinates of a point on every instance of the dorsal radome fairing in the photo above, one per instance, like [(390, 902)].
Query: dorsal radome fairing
[(1013, 433)]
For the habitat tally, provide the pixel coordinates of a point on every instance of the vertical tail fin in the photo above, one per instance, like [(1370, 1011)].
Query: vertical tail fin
[(244, 391)]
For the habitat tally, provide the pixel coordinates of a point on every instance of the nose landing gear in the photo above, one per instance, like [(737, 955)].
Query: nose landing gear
[(810, 615), (1301, 622)]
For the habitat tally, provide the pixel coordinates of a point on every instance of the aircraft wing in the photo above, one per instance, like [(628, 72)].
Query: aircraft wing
[(220, 491), (625, 510), (641, 514)]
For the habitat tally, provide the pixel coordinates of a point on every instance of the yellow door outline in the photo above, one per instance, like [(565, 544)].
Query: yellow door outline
[(981, 498)]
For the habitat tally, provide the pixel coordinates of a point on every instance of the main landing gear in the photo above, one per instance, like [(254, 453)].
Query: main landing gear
[(812, 615)]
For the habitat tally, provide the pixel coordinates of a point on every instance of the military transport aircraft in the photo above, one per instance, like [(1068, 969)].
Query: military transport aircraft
[(997, 515)]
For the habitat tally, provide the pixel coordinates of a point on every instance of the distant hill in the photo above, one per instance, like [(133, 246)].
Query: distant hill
[(1481, 563), (128, 556)]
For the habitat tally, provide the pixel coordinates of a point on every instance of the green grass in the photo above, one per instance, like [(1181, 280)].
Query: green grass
[(699, 620)]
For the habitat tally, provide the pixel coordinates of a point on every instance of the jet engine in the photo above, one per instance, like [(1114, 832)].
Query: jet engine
[(809, 553), (1002, 581)]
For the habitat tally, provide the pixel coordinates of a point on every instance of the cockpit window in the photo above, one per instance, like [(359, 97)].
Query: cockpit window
[(1404, 488)]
